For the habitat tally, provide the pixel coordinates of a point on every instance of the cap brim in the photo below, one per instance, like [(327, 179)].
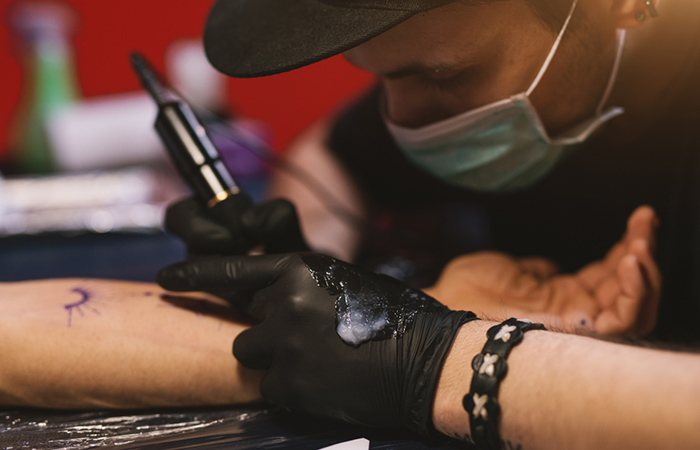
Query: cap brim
[(263, 37)]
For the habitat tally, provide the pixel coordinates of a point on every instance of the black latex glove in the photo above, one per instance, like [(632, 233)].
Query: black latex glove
[(306, 302), (235, 226)]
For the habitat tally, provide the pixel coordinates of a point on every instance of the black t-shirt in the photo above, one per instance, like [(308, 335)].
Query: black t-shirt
[(573, 216)]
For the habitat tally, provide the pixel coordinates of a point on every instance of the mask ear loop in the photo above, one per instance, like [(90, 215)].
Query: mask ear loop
[(544, 67), (622, 34)]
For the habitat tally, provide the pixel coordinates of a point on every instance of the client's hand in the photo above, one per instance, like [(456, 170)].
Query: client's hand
[(617, 295), (336, 340), (235, 226)]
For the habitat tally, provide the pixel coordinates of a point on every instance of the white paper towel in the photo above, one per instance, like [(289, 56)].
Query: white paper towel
[(356, 444)]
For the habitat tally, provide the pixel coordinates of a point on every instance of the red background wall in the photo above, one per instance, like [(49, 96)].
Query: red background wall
[(110, 30)]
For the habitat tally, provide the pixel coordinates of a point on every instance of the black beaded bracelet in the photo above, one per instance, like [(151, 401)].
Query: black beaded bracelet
[(490, 368)]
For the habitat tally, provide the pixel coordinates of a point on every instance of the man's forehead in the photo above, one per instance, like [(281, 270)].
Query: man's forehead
[(441, 39)]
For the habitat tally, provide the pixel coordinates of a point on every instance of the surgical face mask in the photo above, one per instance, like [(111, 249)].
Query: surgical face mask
[(502, 146)]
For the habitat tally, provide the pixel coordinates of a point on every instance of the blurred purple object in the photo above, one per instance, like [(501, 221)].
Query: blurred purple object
[(242, 155)]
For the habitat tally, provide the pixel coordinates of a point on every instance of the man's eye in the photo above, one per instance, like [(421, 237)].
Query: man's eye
[(443, 84)]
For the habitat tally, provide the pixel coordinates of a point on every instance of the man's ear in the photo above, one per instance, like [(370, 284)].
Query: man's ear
[(630, 14)]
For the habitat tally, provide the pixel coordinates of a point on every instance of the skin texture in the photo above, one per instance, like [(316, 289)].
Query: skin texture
[(560, 390), (574, 392), (77, 343), (487, 53), (106, 344), (89, 343)]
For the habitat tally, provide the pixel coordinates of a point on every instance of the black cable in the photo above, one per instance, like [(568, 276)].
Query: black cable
[(267, 153)]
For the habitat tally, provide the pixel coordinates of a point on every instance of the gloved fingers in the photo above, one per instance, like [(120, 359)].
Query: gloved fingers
[(275, 224), (233, 272), (182, 208), (255, 347), (286, 387), (238, 299), (235, 225), (189, 220), (230, 213)]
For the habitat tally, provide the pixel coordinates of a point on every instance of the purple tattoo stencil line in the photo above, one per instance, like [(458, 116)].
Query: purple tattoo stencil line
[(84, 300)]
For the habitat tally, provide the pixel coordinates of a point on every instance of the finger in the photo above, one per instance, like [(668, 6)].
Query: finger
[(240, 300), (620, 317), (229, 213), (276, 225), (541, 268), (642, 224), (286, 388), (233, 272), (595, 274), (189, 221), (254, 347), (653, 280)]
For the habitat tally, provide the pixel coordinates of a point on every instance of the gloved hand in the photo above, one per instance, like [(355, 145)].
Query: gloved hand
[(235, 226), (336, 340)]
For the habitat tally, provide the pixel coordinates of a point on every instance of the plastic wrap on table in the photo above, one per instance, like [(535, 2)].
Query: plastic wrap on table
[(51, 430), (230, 429)]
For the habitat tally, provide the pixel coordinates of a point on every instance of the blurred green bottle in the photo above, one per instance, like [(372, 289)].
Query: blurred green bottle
[(42, 30)]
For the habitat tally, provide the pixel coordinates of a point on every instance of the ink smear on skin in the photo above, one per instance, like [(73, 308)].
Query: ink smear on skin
[(368, 306), (85, 298)]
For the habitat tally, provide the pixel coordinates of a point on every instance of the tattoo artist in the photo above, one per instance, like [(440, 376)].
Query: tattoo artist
[(339, 341), (589, 132)]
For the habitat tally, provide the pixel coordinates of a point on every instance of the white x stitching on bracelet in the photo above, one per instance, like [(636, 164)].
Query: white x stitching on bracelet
[(487, 366), (504, 333), (479, 403)]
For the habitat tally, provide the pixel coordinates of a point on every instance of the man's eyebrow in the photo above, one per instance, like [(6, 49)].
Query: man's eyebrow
[(417, 69)]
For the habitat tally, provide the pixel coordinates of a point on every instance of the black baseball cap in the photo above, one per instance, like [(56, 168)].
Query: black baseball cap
[(253, 38)]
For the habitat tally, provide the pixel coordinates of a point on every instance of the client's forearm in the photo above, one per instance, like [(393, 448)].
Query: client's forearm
[(565, 391), (75, 343)]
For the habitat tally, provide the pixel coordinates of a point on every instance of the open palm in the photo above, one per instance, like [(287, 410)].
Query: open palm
[(617, 295)]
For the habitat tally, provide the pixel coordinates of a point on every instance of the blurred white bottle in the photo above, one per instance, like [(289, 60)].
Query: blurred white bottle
[(117, 130)]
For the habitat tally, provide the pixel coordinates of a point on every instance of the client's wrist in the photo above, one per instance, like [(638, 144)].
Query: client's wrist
[(449, 416), (466, 403)]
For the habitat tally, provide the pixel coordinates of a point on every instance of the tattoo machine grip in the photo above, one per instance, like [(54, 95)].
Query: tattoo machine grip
[(194, 155)]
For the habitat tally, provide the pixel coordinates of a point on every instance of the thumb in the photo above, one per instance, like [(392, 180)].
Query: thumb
[(254, 347)]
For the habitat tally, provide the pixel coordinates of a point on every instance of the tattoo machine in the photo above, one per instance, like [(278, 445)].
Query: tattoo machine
[(186, 140)]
